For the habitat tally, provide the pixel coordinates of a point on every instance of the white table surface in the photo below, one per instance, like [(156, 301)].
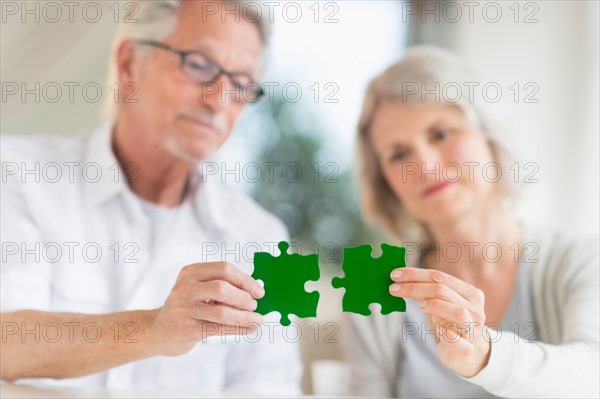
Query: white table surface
[(29, 391)]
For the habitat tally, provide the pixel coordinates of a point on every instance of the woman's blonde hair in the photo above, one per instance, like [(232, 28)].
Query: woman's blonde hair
[(425, 74)]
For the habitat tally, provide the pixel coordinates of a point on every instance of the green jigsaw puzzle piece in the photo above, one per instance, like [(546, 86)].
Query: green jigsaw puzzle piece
[(284, 278), (367, 280)]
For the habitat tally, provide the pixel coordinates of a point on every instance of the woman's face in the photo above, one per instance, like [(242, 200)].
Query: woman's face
[(434, 160)]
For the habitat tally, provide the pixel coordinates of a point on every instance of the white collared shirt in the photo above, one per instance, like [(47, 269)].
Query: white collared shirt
[(75, 238)]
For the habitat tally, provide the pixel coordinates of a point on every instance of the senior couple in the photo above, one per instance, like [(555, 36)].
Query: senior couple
[(155, 312)]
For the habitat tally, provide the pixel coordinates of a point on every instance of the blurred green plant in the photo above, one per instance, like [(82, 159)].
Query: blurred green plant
[(314, 197)]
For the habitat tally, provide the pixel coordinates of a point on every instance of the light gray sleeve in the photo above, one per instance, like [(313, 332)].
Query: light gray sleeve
[(373, 351), (570, 367)]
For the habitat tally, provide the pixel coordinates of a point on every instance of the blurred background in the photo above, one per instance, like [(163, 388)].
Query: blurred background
[(543, 54)]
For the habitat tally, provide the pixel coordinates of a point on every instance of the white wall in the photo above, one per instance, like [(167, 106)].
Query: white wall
[(559, 53)]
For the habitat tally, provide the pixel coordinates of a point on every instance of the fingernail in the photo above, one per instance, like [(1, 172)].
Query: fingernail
[(423, 304), (254, 304), (397, 274), (395, 287), (259, 291)]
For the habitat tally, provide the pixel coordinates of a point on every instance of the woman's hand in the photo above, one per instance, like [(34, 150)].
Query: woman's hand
[(457, 312)]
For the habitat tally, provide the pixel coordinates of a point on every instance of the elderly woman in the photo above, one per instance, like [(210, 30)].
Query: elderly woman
[(494, 307)]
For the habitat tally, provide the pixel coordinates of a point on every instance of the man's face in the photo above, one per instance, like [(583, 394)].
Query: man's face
[(187, 119)]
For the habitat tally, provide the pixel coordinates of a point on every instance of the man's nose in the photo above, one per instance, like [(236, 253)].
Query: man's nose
[(219, 93)]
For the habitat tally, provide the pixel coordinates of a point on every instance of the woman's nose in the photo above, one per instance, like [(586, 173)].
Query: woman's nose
[(428, 164)]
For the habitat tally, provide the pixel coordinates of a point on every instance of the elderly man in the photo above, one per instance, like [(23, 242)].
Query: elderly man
[(107, 277)]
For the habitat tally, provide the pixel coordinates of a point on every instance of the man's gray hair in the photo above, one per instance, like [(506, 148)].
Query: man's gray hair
[(157, 19)]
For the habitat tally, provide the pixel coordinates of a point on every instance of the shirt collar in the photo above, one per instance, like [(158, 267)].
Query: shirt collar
[(208, 196)]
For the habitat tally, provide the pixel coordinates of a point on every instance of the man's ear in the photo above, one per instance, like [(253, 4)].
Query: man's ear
[(124, 60)]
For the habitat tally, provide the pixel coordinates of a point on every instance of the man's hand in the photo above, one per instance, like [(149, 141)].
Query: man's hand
[(207, 299)]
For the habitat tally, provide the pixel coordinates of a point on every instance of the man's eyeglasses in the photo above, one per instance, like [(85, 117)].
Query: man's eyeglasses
[(202, 69)]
